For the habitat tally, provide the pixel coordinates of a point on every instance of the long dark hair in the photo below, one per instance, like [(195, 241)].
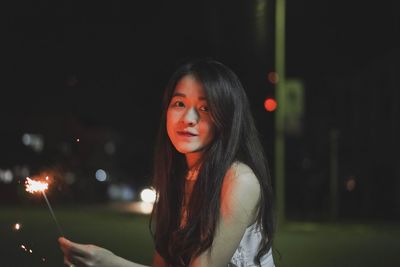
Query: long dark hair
[(236, 139)]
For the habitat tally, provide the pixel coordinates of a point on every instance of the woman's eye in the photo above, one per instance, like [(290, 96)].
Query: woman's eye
[(178, 104), (204, 108)]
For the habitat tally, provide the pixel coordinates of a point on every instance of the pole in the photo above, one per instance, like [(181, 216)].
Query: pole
[(334, 174), (280, 111)]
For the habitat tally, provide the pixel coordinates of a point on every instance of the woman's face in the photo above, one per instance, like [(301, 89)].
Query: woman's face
[(189, 124)]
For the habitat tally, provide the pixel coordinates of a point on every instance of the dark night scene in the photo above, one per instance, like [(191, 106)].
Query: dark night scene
[(90, 88)]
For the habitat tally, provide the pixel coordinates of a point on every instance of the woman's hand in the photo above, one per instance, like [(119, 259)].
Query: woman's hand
[(80, 255)]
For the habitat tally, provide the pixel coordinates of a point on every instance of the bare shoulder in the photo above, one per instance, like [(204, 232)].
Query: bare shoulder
[(242, 176), (240, 191)]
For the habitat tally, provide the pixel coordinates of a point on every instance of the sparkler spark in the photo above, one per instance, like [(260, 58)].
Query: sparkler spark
[(33, 186), (17, 226), (30, 251)]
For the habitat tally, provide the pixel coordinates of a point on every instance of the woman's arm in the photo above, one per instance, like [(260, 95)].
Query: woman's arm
[(239, 201)]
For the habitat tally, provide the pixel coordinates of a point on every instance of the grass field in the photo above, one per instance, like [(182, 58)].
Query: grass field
[(297, 244)]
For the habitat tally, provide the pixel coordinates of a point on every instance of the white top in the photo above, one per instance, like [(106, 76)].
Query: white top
[(248, 248)]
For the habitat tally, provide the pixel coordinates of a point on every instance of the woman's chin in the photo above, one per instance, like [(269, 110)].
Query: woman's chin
[(187, 149)]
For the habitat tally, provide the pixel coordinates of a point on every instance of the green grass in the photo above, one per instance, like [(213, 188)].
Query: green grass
[(338, 245), (125, 234), (300, 244)]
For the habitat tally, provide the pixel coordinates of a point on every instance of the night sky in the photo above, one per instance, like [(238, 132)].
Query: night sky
[(89, 58), (96, 71)]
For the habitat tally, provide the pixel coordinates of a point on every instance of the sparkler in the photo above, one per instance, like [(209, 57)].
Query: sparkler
[(33, 186)]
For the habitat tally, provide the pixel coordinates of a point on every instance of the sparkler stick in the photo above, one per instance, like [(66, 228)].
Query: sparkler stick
[(33, 186)]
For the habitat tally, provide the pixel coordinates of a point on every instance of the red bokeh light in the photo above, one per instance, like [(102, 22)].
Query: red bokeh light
[(270, 104)]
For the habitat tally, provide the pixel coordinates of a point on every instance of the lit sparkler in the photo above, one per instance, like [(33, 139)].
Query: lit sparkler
[(33, 186)]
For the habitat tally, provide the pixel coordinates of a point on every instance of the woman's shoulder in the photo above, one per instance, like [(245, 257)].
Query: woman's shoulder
[(242, 175), (241, 189), (241, 167)]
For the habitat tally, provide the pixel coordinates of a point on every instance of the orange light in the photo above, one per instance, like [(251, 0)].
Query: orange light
[(270, 104)]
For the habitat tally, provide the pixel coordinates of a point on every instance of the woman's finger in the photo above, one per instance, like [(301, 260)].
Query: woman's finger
[(69, 247), (66, 261), (75, 261)]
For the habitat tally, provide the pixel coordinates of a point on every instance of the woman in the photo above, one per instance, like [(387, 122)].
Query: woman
[(214, 204)]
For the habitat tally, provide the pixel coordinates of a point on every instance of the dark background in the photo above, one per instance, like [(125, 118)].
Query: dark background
[(96, 71)]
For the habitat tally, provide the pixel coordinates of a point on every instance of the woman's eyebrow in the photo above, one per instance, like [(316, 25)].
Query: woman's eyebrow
[(183, 95)]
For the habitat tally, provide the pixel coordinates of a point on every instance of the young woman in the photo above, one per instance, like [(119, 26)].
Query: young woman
[(214, 196)]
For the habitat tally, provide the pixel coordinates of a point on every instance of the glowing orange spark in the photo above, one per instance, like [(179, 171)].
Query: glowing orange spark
[(17, 226), (33, 186)]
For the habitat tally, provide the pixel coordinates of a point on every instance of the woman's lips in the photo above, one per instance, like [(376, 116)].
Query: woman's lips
[(186, 134)]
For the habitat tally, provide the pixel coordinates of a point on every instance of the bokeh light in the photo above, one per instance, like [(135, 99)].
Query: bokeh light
[(270, 104)]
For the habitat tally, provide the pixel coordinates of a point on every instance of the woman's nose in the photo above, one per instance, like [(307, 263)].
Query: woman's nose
[(191, 117)]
